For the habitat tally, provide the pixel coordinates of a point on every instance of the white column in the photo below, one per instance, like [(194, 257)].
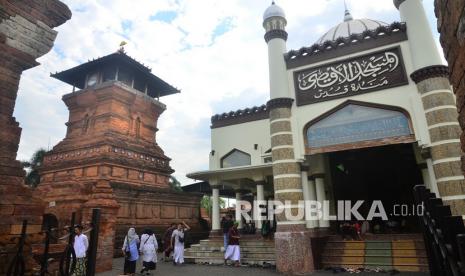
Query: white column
[(321, 197), (254, 210), (277, 69), (432, 177), (306, 194), (422, 43), (312, 196), (238, 210), (216, 209), (308, 187), (260, 199), (425, 175)]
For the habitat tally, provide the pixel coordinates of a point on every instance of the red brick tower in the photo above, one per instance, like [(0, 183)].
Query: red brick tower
[(26, 33), (109, 158)]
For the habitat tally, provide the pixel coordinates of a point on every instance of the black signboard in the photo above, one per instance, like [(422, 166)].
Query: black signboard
[(350, 77)]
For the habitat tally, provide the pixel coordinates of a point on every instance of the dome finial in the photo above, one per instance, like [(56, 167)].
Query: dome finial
[(347, 15)]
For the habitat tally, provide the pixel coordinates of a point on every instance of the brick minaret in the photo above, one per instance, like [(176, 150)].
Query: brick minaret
[(26, 33), (109, 158)]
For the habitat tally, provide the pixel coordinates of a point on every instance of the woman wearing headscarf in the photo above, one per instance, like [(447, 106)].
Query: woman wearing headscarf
[(148, 248), (130, 245), (177, 238)]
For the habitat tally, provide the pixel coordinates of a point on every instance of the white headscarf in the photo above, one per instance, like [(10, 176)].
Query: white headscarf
[(132, 235)]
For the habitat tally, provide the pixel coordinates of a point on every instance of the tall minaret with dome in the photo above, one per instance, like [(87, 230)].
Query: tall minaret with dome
[(292, 240)]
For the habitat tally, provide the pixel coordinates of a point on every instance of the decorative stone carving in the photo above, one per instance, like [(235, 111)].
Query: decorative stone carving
[(279, 102), (430, 72), (275, 34)]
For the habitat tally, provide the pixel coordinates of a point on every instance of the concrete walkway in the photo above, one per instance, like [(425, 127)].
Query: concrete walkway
[(206, 270)]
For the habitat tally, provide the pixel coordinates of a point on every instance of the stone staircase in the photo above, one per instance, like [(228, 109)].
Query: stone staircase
[(400, 252), (253, 252)]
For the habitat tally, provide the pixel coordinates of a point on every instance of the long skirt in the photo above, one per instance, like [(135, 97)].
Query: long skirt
[(129, 267), (179, 253), (233, 253), (80, 269), (149, 265)]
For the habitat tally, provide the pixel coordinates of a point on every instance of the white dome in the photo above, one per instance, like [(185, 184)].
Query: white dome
[(350, 27), (273, 10)]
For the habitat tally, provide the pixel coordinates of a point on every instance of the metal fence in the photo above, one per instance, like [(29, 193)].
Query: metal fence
[(444, 235), (67, 263)]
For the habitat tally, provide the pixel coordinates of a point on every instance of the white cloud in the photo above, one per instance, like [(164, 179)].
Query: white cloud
[(227, 70)]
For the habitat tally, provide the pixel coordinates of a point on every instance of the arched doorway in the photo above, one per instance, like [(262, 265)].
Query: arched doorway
[(370, 156), (50, 220)]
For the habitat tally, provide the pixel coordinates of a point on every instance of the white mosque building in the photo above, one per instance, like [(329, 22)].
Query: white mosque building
[(367, 112)]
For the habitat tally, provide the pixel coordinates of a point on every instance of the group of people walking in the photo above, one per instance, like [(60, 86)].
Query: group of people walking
[(147, 246), (134, 248)]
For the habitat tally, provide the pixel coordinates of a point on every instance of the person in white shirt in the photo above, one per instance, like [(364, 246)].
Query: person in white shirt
[(177, 238), (148, 248), (81, 244)]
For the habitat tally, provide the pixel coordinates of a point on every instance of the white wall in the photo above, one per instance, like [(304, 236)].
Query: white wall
[(241, 137)]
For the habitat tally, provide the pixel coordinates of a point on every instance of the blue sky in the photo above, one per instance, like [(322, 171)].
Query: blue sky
[(213, 50)]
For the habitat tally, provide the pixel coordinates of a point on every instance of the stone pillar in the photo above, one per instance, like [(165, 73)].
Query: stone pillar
[(431, 78), (451, 25), (312, 196), (260, 200), (444, 130), (321, 196), (216, 227), (26, 33), (308, 187), (292, 240), (238, 216)]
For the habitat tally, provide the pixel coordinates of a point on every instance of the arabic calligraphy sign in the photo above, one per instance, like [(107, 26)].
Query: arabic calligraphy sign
[(350, 77)]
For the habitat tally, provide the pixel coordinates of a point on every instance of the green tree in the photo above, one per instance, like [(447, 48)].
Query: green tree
[(32, 167), (175, 184), (207, 203)]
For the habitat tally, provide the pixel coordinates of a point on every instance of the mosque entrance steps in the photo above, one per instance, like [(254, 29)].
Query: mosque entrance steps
[(400, 252), (254, 251)]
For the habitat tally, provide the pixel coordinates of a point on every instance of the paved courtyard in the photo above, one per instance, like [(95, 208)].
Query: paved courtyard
[(206, 270)]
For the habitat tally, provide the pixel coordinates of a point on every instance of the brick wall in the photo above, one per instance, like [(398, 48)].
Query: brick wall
[(26, 33), (451, 25)]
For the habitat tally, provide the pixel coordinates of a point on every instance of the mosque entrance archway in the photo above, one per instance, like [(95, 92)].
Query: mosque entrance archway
[(385, 173)]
